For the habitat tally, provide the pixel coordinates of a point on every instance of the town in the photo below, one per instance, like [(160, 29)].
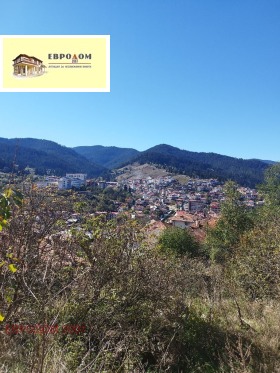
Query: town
[(155, 198)]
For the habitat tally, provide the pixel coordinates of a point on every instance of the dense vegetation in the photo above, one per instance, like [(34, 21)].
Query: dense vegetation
[(205, 165), (107, 156), (104, 297), (45, 156)]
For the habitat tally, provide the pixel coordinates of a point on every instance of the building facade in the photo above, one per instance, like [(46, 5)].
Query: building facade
[(77, 176), (28, 66)]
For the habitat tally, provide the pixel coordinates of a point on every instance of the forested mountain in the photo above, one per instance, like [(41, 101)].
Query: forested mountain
[(265, 161), (44, 155), (107, 156), (207, 165)]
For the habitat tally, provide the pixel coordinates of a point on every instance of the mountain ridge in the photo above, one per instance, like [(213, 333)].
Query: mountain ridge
[(108, 156), (207, 165), (98, 160), (44, 155)]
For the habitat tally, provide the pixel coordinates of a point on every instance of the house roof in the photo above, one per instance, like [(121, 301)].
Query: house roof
[(25, 55), (155, 225), (182, 216)]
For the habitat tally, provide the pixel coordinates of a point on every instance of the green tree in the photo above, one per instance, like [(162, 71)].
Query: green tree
[(270, 191), (234, 221), (255, 265), (271, 185), (8, 201), (178, 242)]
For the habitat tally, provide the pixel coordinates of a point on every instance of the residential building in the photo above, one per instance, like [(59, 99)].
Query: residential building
[(28, 66), (64, 183), (182, 220), (77, 176), (196, 205)]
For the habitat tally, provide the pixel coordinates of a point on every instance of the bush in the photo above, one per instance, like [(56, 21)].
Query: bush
[(179, 242)]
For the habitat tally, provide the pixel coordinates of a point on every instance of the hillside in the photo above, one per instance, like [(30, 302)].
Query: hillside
[(205, 165), (140, 171), (96, 160), (107, 156), (44, 155)]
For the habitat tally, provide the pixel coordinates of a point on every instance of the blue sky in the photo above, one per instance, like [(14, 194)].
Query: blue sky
[(202, 75)]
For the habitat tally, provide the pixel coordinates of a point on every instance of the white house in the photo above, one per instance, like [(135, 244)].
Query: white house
[(77, 176), (64, 183)]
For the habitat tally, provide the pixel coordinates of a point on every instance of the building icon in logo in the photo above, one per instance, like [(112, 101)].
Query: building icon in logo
[(28, 66), (74, 59)]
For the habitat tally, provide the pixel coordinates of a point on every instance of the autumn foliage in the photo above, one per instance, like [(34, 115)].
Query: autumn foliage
[(171, 306)]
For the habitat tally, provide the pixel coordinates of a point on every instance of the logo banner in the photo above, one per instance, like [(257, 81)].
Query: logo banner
[(55, 63)]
